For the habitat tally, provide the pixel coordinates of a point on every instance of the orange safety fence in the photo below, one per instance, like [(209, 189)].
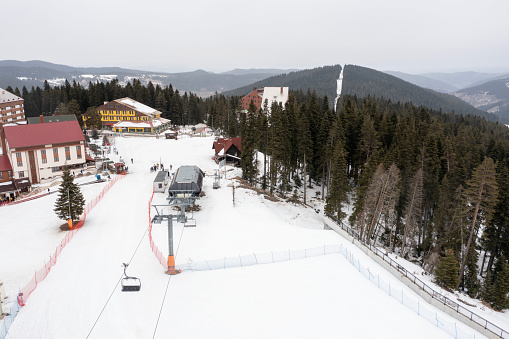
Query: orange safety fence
[(41, 274), (153, 246)]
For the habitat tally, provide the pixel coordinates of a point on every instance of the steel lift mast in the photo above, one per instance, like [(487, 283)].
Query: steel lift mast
[(182, 200)]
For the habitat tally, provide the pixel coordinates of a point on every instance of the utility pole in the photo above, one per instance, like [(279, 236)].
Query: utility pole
[(69, 221)]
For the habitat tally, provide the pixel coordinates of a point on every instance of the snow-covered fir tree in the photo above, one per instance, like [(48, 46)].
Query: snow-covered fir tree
[(70, 202)]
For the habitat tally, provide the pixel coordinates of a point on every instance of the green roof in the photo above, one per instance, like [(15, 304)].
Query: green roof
[(52, 118)]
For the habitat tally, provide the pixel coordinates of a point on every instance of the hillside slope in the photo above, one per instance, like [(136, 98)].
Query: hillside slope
[(491, 96), (362, 81), (321, 79), (319, 297)]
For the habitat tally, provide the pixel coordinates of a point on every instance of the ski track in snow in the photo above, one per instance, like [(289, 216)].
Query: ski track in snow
[(319, 297)]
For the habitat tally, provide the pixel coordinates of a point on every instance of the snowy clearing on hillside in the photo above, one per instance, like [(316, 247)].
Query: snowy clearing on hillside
[(320, 297)]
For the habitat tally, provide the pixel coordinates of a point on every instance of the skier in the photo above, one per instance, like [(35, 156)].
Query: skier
[(132, 161)]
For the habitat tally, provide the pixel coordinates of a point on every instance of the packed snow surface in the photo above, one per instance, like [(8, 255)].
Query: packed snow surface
[(319, 297)]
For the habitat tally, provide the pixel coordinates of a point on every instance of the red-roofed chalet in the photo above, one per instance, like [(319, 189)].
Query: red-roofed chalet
[(231, 147)]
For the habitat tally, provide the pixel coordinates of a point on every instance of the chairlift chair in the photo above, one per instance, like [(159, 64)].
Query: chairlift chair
[(190, 222), (130, 284)]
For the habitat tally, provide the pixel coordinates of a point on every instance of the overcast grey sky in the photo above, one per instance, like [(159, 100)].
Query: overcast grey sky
[(403, 35)]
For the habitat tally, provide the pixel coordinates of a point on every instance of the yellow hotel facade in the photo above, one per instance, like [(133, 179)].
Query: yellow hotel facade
[(125, 109)]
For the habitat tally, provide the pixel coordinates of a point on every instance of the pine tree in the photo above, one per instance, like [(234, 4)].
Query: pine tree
[(70, 202), (488, 289), (446, 272), (413, 211), (248, 160), (471, 281), (93, 118), (496, 234), (501, 285), (339, 189)]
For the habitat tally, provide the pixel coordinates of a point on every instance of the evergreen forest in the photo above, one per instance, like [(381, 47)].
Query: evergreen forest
[(430, 186)]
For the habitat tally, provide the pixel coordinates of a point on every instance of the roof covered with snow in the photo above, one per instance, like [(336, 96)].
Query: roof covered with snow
[(7, 96), (43, 134), (278, 94), (138, 106)]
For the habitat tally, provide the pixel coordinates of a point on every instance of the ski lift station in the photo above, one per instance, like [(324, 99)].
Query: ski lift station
[(187, 182), (161, 181)]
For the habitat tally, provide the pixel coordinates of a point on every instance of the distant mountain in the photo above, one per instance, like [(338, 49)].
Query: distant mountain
[(362, 81), (491, 96), (270, 71), (322, 79), (424, 82), (33, 73), (462, 79)]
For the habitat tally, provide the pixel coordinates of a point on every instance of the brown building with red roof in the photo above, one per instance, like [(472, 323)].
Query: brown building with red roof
[(256, 96), (11, 107), (230, 148), (40, 151)]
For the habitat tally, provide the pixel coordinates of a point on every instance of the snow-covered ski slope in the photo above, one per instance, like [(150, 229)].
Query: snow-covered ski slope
[(319, 297)]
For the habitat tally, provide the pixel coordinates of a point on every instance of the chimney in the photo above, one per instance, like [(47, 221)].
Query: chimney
[(281, 90), (42, 118)]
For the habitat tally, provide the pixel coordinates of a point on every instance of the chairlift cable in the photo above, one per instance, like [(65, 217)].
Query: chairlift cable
[(167, 285), (116, 285)]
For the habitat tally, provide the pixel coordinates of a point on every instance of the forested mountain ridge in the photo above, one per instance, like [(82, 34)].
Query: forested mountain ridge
[(321, 79), (33, 73), (424, 82), (491, 96), (363, 82)]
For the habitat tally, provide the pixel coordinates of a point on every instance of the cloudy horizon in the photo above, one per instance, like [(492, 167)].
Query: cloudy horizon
[(219, 36)]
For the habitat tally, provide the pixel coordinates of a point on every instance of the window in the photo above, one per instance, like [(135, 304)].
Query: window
[(67, 157), (55, 150), (9, 174), (21, 174), (78, 148), (56, 169), (20, 163), (67, 148), (18, 155), (44, 160), (43, 152), (1, 175)]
